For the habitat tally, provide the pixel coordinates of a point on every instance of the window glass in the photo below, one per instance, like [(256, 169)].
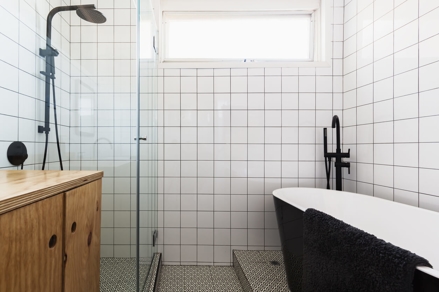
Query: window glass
[(273, 37)]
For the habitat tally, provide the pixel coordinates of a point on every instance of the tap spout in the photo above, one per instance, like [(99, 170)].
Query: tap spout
[(336, 125)]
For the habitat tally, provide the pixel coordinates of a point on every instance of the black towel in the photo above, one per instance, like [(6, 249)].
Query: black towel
[(341, 258)]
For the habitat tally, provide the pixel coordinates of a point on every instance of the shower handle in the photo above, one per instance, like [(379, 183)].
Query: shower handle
[(141, 138)]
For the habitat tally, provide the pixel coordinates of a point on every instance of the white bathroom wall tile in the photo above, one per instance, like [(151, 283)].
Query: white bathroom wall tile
[(350, 28), (256, 71), (365, 114), (290, 84), (188, 84), (172, 84), (273, 84), (428, 157), (426, 6), (365, 153), (406, 83), (307, 84), (405, 13), (383, 175), (324, 84), (427, 129), (426, 80), (205, 84), (383, 111), (383, 68), (383, 47), (238, 84), (406, 178), (427, 181), (222, 84), (428, 24), (405, 197), (383, 154), (406, 131), (429, 202), (383, 132), (428, 51), (408, 154), (383, 25), (406, 107), (205, 72), (406, 36), (403, 97), (406, 59), (273, 101), (383, 89)]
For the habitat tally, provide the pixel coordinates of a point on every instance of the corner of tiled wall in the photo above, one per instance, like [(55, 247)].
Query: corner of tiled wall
[(390, 110)]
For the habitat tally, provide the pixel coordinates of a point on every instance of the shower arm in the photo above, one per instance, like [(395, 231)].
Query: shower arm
[(60, 9), (50, 53)]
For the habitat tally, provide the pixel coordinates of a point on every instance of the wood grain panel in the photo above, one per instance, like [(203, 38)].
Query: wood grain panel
[(82, 245), (23, 187), (27, 263)]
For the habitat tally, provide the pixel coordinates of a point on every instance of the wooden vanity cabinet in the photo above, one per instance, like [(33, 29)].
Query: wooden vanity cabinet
[(82, 238), (50, 231), (30, 259)]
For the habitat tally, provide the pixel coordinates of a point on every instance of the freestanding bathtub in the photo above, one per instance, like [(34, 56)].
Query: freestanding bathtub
[(411, 228)]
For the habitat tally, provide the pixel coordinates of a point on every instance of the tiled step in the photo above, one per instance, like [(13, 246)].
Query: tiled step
[(198, 278), (260, 271)]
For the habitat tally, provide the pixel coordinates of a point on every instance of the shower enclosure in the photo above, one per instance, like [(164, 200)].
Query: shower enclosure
[(106, 101)]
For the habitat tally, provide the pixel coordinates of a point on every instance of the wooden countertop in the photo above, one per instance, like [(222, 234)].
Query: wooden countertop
[(23, 187)]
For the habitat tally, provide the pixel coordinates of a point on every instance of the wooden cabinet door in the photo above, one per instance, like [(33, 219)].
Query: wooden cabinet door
[(82, 238), (31, 246)]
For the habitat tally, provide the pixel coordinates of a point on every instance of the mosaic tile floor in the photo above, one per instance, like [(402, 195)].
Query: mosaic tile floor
[(198, 278), (260, 271), (119, 274)]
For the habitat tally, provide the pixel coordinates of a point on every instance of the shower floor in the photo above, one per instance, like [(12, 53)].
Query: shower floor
[(261, 271), (119, 274), (198, 278)]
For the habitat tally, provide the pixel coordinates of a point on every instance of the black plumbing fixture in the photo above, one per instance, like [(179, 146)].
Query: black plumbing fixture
[(338, 155), (17, 153), (86, 12)]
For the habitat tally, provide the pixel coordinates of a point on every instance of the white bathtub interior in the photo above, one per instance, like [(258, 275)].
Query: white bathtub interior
[(408, 227)]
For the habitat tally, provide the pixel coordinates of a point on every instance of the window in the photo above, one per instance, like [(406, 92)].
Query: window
[(239, 37)]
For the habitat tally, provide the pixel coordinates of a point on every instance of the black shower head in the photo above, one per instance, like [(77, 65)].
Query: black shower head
[(90, 14), (87, 12)]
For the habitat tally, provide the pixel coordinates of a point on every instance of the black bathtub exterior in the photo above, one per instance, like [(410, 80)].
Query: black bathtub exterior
[(290, 223)]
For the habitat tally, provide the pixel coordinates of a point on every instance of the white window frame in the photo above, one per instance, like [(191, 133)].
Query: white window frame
[(321, 41)]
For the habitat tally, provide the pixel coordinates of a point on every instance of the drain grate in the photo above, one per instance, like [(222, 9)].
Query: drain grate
[(275, 263)]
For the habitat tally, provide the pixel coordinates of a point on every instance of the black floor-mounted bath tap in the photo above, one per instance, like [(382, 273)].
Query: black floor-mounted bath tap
[(338, 155)]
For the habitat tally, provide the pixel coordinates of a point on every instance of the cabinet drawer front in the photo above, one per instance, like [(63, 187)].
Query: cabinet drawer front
[(31, 246), (82, 238)]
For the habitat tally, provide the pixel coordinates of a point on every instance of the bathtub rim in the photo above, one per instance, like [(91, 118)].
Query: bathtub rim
[(280, 194)]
